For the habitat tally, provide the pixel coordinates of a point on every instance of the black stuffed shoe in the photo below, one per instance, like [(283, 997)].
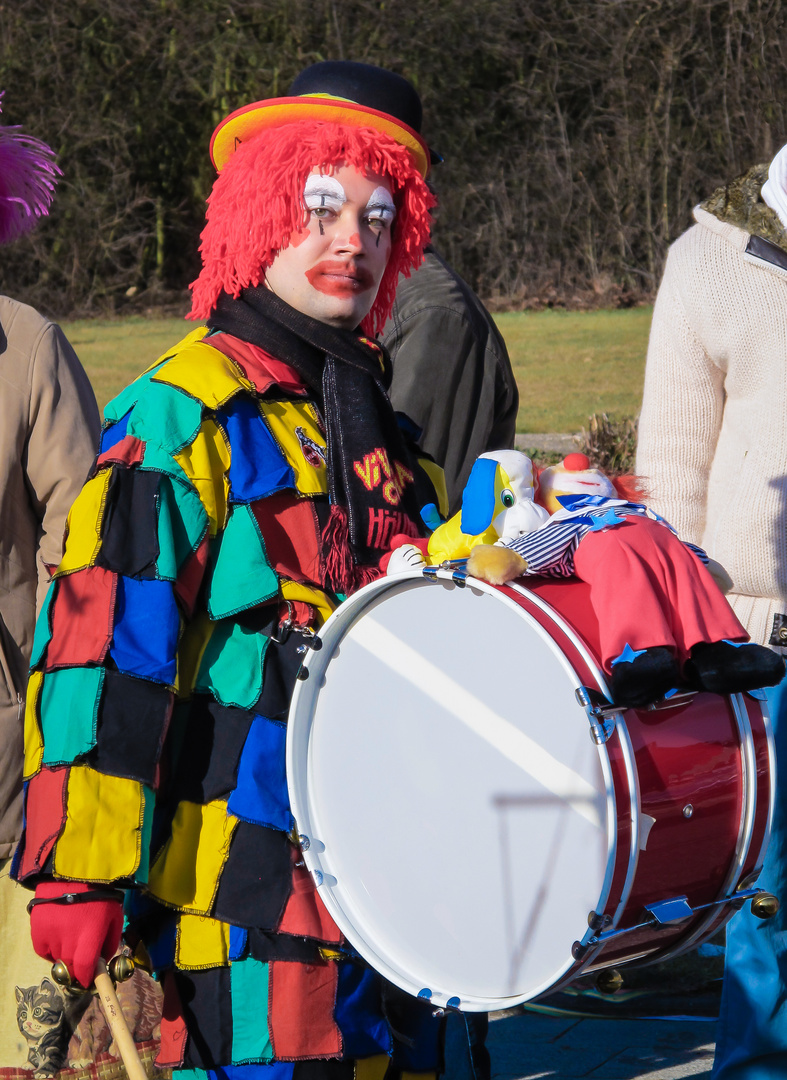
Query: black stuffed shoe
[(723, 668), (644, 679)]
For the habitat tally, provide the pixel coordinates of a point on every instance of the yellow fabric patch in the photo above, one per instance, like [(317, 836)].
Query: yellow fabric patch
[(34, 743), (372, 1068), (186, 873), (189, 339), (206, 462), (202, 942), (203, 372), (419, 1076), (295, 428), (294, 590), (83, 525), (437, 476), (196, 635), (101, 840)]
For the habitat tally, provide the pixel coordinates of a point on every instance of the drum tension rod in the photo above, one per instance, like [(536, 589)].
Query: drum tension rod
[(449, 570), (676, 909), (600, 713)]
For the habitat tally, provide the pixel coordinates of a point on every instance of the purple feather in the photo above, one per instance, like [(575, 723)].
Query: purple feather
[(28, 176)]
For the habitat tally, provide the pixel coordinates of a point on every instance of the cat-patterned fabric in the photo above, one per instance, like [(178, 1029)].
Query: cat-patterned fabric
[(163, 665), (33, 1029)]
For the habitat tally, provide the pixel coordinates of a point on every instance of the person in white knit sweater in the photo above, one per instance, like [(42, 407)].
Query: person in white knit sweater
[(713, 453)]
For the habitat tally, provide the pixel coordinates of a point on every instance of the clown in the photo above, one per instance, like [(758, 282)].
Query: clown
[(244, 484), (663, 620)]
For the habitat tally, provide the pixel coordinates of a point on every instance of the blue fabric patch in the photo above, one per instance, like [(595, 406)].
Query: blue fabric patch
[(359, 1013), (478, 497), (113, 434), (146, 629), (261, 792), (239, 935), (257, 465), (735, 644), (276, 1070), (627, 656)]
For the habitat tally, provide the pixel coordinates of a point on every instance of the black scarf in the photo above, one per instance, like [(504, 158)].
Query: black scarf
[(376, 488)]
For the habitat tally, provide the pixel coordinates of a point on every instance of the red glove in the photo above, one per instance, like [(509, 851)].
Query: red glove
[(78, 932)]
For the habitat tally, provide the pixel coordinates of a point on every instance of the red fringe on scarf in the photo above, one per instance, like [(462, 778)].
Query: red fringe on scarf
[(341, 573)]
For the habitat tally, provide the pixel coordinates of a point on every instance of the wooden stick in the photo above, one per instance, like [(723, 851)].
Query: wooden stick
[(117, 1023)]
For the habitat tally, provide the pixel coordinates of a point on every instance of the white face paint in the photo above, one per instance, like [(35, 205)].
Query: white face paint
[(380, 209), (321, 190)]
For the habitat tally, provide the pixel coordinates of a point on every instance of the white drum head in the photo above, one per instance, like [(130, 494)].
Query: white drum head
[(460, 817)]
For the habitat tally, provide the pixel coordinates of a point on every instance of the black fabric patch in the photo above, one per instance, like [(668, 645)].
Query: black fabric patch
[(257, 878), (212, 738), (779, 631), (207, 1010), (132, 721), (129, 531), (282, 663), (417, 1033), (264, 945), (324, 1069)]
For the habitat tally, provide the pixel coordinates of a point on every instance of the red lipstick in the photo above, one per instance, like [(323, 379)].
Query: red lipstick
[(337, 278)]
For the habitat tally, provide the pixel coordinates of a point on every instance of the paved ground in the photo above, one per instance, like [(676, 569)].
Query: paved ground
[(553, 443), (531, 1046)]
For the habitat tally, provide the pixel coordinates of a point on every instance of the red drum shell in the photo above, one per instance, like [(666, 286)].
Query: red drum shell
[(691, 777)]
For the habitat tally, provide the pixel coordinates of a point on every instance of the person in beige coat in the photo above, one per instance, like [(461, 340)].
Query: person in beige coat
[(49, 426), (713, 453)]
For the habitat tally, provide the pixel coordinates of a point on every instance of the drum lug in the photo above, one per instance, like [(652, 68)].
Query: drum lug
[(670, 911), (600, 713)]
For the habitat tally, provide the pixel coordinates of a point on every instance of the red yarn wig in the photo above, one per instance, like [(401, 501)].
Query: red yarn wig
[(256, 205)]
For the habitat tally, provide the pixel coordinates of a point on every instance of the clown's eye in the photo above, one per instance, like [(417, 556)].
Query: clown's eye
[(507, 498)]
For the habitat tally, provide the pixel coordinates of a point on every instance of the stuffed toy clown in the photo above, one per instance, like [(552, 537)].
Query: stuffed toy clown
[(663, 620)]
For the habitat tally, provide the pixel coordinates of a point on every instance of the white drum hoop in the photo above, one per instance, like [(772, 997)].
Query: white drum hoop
[(380, 638)]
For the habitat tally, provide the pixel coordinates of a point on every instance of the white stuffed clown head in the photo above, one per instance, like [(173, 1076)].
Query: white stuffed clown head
[(572, 476)]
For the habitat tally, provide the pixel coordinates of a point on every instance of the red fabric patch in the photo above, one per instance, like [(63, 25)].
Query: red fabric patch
[(292, 535), (259, 367), (190, 577), (301, 1001), (45, 816), (173, 1027), (129, 451), (83, 618), (305, 915)]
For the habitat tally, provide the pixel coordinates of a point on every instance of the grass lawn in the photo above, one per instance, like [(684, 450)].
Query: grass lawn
[(571, 364), (568, 365)]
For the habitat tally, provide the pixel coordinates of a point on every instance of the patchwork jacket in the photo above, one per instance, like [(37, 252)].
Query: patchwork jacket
[(163, 664)]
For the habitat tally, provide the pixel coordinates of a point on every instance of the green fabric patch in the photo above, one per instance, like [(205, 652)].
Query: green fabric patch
[(146, 834), (165, 416), (128, 397), (158, 460), (251, 1041), (43, 630), (182, 522), (241, 576), (232, 663), (69, 713)]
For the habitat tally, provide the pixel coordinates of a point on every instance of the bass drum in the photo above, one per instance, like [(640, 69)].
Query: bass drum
[(480, 830)]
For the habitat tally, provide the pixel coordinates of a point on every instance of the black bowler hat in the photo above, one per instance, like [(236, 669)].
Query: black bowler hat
[(341, 90)]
